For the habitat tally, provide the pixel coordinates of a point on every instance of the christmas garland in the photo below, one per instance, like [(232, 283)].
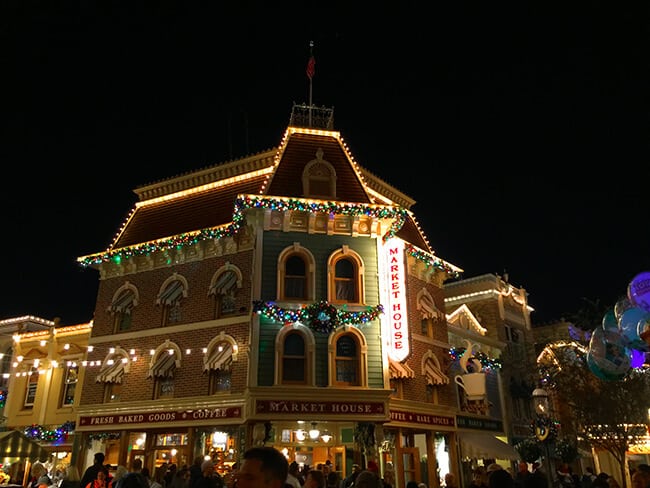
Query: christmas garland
[(38, 432), (319, 316)]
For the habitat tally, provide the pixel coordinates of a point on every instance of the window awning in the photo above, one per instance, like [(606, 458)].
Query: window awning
[(171, 294), (398, 370), (219, 358), (485, 446), (111, 373), (224, 284), (433, 374), (164, 366)]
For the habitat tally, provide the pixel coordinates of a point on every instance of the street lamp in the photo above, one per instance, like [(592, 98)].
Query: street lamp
[(543, 428)]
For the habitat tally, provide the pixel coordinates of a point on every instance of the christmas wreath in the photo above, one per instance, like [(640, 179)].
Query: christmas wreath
[(322, 316)]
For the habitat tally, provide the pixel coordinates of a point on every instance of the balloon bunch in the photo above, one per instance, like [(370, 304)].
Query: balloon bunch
[(624, 338)]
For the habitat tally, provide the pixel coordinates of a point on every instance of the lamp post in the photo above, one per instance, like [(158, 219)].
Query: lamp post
[(543, 429)]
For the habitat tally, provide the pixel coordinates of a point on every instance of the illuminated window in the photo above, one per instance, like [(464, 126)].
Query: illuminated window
[(319, 178), (345, 271), (164, 388), (71, 376), (112, 392), (124, 300), (224, 287), (348, 353), (295, 274), (31, 387), (170, 297), (220, 381)]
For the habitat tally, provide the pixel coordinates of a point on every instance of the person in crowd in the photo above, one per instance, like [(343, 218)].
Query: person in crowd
[(601, 481), (120, 471), (159, 474), (181, 478), (109, 476), (641, 478), (136, 466), (350, 479), (195, 471), (450, 481), (133, 479), (522, 476), (537, 477), (412, 484), (479, 478), (39, 476), (91, 471), (99, 482), (152, 482), (168, 475), (292, 476), (262, 466), (209, 478), (500, 478), (369, 479), (315, 479), (71, 478), (588, 477)]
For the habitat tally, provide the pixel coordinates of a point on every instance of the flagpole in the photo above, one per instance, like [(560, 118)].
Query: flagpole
[(310, 74)]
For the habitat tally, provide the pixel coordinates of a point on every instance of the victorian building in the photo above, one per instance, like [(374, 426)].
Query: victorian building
[(288, 298)]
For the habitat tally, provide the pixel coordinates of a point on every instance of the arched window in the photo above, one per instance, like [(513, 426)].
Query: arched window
[(295, 345), (171, 294), (121, 307), (112, 371), (217, 361), (224, 287), (319, 178), (348, 357), (295, 274), (163, 365), (345, 272)]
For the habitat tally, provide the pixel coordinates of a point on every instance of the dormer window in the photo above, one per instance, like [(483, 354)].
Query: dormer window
[(319, 178)]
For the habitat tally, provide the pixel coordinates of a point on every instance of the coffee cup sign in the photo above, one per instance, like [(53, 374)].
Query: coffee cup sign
[(473, 381), (473, 384)]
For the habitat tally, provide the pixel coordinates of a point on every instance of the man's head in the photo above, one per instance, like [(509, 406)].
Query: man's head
[(262, 467), (137, 465), (207, 468), (99, 458)]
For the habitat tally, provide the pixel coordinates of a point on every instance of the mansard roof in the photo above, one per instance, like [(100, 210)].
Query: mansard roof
[(205, 199)]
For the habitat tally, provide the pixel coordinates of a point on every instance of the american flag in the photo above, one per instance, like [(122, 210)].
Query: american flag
[(311, 66)]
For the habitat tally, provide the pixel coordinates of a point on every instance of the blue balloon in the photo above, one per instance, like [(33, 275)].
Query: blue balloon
[(629, 324), (609, 321), (608, 357)]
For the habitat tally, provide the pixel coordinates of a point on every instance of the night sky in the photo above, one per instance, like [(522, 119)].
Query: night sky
[(520, 128)]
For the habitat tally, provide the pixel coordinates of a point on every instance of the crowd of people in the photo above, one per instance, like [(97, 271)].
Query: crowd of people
[(268, 467)]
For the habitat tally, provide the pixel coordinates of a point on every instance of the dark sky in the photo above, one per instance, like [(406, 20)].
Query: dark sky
[(521, 128)]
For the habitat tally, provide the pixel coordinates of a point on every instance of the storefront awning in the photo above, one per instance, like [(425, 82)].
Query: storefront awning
[(399, 370), (485, 446), (15, 444)]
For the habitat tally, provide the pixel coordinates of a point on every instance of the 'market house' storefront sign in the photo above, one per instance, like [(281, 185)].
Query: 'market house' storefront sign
[(395, 318), (307, 407), (171, 416)]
